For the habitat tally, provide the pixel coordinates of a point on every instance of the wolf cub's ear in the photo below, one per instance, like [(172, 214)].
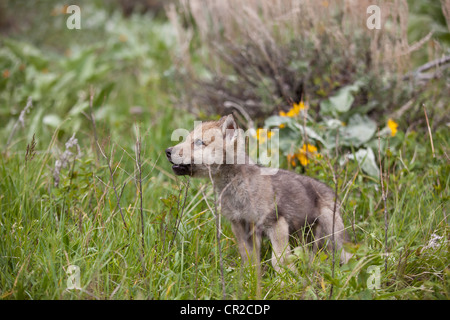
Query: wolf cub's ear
[(229, 127)]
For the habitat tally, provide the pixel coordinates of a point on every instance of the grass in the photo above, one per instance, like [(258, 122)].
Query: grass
[(44, 229), (79, 224)]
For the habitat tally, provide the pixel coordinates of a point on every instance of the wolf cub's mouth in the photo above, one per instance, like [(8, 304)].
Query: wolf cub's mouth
[(182, 169), (179, 169)]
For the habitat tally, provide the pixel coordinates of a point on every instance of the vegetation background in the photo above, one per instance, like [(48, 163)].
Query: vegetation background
[(85, 117)]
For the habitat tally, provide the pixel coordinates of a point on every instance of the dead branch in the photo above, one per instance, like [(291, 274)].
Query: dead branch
[(418, 73)]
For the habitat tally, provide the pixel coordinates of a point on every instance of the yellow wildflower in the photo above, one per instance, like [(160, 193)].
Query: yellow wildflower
[(291, 159), (299, 106), (393, 126), (263, 134), (305, 154), (294, 111), (282, 125)]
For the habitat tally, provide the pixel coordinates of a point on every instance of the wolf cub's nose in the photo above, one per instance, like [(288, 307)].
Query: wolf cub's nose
[(169, 153)]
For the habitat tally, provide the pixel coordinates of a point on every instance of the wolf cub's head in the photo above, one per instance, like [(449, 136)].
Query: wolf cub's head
[(210, 145)]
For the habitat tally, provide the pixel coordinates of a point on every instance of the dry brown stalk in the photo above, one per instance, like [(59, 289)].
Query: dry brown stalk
[(384, 197)]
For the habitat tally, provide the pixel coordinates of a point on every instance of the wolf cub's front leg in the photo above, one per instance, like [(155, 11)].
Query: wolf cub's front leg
[(248, 240), (278, 234)]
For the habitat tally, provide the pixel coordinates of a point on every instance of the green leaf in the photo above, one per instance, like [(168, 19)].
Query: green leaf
[(28, 53), (359, 130), (366, 160), (78, 108), (366, 294), (170, 201), (341, 101), (310, 133), (275, 121), (51, 120)]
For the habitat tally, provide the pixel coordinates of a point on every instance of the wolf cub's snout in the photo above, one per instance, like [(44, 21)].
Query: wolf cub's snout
[(179, 169), (277, 205), (169, 154)]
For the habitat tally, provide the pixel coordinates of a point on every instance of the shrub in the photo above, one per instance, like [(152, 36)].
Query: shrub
[(264, 56)]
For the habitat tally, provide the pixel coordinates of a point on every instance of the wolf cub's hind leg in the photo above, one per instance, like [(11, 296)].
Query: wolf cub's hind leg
[(324, 229)]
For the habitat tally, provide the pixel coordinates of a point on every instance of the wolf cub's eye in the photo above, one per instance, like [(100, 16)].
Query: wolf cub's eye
[(198, 142)]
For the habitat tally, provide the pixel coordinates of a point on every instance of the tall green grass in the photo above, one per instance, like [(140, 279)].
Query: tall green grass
[(44, 228)]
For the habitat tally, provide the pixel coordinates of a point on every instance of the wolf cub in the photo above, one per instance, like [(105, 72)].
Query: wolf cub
[(275, 205)]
